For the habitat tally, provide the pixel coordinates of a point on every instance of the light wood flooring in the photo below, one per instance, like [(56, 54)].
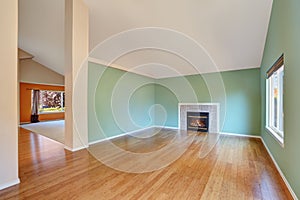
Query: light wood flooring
[(210, 166)]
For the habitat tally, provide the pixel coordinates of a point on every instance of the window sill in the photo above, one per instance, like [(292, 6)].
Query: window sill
[(47, 113), (275, 136)]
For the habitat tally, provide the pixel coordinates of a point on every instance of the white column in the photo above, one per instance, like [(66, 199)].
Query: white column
[(76, 50), (8, 88)]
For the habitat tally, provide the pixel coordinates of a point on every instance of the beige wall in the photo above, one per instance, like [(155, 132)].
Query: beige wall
[(34, 72), (8, 88)]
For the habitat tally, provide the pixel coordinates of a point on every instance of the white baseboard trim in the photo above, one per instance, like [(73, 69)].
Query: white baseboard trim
[(108, 138), (129, 133), (9, 184), (75, 149), (167, 127), (117, 136), (280, 172), (240, 135)]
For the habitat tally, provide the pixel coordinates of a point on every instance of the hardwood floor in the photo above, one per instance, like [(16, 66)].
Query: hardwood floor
[(212, 167)]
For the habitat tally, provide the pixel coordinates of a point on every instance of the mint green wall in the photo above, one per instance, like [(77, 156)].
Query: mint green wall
[(140, 105), (242, 100), (168, 100), (284, 37), (155, 102), (103, 94)]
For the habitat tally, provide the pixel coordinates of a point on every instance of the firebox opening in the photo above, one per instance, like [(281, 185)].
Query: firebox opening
[(198, 121)]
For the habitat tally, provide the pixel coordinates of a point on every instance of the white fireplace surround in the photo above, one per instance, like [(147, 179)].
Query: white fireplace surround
[(212, 108)]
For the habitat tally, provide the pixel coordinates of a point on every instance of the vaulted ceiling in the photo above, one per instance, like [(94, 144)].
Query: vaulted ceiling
[(231, 32), (41, 31)]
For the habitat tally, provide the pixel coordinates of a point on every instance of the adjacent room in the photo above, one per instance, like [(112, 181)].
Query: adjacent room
[(42, 98), (149, 99)]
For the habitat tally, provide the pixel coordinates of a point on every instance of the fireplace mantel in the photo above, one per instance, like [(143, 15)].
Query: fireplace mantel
[(212, 108)]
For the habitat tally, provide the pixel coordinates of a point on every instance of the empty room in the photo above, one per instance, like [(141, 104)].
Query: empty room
[(150, 99)]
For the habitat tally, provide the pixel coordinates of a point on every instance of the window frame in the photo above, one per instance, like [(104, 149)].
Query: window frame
[(54, 112), (275, 72)]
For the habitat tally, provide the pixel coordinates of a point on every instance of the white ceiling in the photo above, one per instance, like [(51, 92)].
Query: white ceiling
[(41, 31), (232, 32)]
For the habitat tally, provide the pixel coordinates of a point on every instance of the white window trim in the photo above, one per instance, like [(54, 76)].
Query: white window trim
[(274, 132), (275, 135)]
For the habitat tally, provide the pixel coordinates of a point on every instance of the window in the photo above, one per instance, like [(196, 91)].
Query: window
[(274, 100), (51, 101)]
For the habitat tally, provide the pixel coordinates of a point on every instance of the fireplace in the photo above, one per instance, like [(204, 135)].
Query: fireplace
[(213, 119), (198, 121)]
